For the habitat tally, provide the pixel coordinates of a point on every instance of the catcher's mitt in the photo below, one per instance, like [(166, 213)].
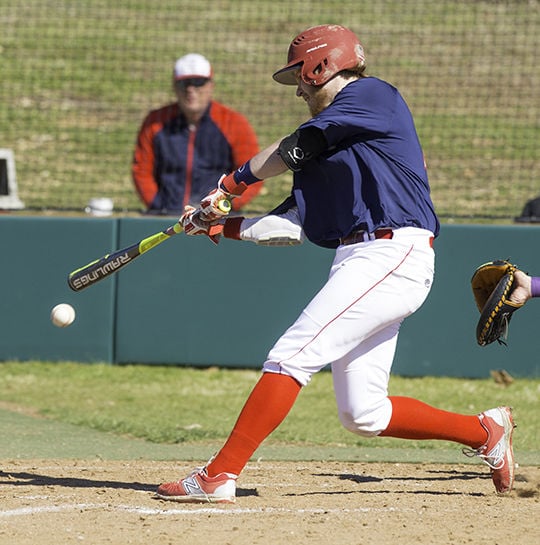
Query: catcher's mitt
[(492, 283)]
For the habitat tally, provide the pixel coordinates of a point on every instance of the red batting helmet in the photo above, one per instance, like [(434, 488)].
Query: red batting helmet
[(321, 52)]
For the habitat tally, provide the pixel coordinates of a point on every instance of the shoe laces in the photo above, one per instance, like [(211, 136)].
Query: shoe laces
[(495, 458), (497, 463)]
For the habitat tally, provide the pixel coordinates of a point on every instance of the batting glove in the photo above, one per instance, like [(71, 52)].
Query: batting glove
[(217, 204), (194, 224)]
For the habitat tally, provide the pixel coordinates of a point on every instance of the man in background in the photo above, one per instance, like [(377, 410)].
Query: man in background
[(183, 147)]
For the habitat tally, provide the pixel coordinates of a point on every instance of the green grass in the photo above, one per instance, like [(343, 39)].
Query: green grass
[(78, 77), (185, 405)]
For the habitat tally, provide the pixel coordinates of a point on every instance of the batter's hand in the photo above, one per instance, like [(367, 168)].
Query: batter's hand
[(194, 224), (217, 204)]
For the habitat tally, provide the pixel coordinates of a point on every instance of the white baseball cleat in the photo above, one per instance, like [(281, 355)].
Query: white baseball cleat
[(200, 488), (497, 452)]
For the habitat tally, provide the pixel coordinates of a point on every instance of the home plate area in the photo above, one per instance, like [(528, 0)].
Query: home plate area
[(58, 501)]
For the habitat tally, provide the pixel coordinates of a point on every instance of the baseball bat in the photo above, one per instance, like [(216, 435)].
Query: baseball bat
[(109, 264)]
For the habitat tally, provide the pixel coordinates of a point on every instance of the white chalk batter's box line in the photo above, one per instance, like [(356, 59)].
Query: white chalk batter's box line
[(26, 511)]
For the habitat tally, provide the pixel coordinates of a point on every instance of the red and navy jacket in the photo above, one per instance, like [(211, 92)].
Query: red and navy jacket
[(175, 164)]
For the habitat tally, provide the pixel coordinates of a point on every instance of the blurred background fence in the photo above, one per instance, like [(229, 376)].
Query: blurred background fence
[(77, 78)]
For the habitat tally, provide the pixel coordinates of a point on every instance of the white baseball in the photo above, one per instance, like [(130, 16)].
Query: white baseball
[(62, 315)]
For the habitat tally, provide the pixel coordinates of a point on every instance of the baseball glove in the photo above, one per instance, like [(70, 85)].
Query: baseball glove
[(492, 283)]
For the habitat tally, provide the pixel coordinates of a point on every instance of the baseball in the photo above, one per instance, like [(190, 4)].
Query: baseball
[(62, 315)]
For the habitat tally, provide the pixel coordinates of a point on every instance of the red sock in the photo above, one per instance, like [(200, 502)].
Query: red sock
[(267, 406), (412, 419)]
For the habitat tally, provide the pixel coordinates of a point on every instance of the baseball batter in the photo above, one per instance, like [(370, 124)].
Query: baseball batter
[(360, 187)]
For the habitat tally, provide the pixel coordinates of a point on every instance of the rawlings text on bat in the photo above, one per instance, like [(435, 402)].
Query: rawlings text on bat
[(112, 263)]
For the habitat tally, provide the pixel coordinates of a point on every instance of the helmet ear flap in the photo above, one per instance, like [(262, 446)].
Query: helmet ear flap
[(318, 70), (310, 75)]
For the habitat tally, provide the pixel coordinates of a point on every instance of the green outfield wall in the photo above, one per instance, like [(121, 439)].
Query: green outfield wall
[(190, 302)]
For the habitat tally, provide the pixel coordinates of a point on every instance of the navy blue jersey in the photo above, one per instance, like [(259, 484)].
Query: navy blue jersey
[(373, 172)]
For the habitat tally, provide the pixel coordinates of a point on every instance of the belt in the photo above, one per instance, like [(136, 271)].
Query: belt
[(363, 236)]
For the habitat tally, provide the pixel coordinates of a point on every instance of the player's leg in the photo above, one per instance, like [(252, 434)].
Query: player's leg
[(360, 384), (335, 321), (331, 326), (361, 379), (266, 407), (488, 434)]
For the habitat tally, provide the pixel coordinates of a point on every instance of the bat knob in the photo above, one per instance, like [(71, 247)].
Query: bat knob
[(225, 206)]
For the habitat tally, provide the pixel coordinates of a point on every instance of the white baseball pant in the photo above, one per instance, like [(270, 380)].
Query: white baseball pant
[(353, 323)]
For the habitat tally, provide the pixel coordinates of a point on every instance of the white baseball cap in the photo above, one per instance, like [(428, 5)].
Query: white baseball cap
[(192, 65)]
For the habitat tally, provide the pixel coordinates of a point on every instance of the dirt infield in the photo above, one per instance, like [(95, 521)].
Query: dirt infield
[(52, 502)]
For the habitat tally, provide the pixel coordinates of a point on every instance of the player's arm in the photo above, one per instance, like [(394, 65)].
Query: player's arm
[(274, 229), (289, 153), (280, 227), (267, 163)]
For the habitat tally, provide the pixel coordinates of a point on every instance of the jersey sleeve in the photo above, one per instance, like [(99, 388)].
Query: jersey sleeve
[(283, 229)]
